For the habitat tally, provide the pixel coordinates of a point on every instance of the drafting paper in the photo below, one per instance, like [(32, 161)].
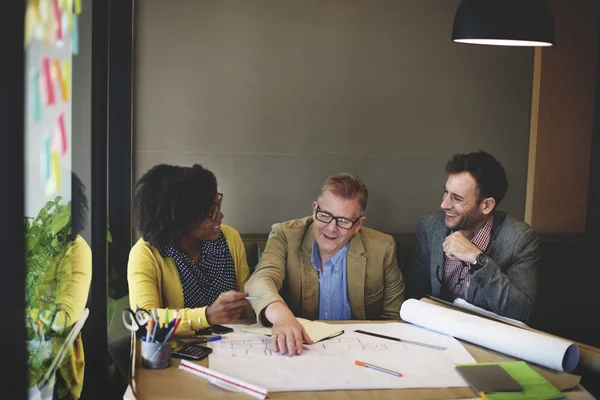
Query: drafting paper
[(530, 346), (329, 365)]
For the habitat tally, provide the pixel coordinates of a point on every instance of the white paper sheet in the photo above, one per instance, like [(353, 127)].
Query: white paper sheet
[(329, 365), (530, 346)]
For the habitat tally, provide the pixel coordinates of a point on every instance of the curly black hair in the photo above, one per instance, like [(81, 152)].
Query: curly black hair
[(79, 205), (168, 199), (485, 169)]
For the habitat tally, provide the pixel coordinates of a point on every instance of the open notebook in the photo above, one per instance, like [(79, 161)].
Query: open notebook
[(316, 330)]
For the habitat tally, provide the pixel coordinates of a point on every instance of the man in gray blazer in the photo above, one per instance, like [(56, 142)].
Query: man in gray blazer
[(470, 250)]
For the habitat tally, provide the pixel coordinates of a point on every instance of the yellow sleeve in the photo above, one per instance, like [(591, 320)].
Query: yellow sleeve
[(73, 298), (143, 279)]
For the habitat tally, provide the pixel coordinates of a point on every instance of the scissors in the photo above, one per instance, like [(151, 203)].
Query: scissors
[(136, 321)]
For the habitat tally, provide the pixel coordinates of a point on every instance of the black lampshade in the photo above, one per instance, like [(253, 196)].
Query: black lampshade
[(504, 23)]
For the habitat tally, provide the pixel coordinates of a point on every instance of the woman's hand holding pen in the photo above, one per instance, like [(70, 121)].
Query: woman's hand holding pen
[(226, 308), (287, 333)]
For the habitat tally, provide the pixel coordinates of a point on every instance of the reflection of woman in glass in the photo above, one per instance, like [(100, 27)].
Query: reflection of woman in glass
[(59, 272), (73, 298), (186, 259)]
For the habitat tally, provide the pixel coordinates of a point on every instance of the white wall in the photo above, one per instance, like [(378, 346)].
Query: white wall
[(274, 96)]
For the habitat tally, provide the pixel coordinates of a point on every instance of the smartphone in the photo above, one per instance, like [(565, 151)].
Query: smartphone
[(220, 329), (191, 352), (215, 329)]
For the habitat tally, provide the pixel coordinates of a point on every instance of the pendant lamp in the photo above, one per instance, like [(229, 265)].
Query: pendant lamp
[(504, 23)]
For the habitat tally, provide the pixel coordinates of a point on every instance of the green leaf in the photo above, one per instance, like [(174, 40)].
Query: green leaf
[(31, 242), (58, 223)]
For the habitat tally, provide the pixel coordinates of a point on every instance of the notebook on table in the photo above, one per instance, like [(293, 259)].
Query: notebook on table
[(316, 330)]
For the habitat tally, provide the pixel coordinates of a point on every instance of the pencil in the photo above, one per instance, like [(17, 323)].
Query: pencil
[(376, 368)]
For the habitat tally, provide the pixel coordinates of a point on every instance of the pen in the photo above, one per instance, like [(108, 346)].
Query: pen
[(176, 324), (253, 298), (164, 341), (149, 330), (387, 371), (199, 341), (431, 346), (153, 338)]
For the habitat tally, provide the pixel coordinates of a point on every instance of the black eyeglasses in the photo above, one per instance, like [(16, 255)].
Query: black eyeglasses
[(341, 222), (216, 207)]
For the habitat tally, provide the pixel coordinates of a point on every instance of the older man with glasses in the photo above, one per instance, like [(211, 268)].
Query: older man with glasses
[(326, 266)]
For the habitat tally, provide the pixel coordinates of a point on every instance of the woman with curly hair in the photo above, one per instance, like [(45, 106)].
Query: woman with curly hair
[(186, 260)]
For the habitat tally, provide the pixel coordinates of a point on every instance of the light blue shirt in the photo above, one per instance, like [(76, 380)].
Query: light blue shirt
[(333, 285)]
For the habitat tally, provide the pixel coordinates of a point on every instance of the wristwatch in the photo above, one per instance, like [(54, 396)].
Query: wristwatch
[(481, 261)]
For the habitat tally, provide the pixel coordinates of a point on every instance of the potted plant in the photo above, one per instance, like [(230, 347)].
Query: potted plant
[(48, 267)]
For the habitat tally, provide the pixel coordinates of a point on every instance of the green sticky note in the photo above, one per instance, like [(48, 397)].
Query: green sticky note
[(536, 386)]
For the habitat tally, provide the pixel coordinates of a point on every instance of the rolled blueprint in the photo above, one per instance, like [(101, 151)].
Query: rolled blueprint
[(538, 348)]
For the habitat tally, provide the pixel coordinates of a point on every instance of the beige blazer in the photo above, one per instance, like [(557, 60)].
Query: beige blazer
[(285, 273)]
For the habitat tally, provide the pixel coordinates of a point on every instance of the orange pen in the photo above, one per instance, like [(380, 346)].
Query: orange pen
[(371, 366), (149, 330)]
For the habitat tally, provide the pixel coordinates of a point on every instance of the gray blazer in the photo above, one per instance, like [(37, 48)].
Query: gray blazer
[(507, 285)]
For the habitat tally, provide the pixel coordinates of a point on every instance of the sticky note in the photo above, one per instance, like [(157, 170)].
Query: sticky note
[(47, 82), (77, 7), (63, 76), (30, 21), (68, 15), (48, 22), (54, 183), (38, 29), (36, 96), (61, 133), (68, 10), (57, 19), (45, 158), (75, 36), (66, 79)]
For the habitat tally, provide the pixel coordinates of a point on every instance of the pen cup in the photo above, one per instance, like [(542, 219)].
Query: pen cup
[(153, 360)]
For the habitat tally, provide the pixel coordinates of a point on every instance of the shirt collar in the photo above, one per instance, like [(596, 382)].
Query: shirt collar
[(336, 260), (482, 238)]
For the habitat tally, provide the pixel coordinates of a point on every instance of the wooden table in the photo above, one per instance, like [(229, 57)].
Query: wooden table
[(173, 383)]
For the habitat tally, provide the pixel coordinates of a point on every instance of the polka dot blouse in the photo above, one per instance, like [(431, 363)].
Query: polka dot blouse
[(204, 281)]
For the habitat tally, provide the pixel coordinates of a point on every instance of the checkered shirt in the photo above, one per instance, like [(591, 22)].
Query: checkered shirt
[(456, 272)]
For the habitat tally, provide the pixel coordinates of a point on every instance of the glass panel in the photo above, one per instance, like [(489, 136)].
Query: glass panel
[(58, 256)]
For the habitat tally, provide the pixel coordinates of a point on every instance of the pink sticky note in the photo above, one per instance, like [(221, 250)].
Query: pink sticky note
[(58, 19), (47, 78), (62, 133)]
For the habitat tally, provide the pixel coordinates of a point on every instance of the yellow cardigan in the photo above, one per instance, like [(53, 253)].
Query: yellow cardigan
[(154, 281), (72, 300)]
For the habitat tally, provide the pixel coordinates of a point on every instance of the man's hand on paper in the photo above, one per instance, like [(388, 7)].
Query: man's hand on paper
[(456, 245), (226, 308), (287, 333)]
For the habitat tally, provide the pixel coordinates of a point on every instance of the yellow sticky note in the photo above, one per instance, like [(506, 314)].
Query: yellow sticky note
[(63, 75), (53, 184), (68, 7), (77, 7), (69, 14), (30, 21)]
